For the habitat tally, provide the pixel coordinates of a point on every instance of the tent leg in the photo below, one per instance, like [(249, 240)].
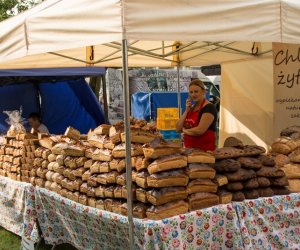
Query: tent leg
[(128, 141), (178, 90), (105, 98)]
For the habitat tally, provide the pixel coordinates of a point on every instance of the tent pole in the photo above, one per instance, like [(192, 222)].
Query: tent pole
[(105, 98), (128, 141), (178, 89)]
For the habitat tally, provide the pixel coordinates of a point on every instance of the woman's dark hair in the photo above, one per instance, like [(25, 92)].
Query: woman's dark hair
[(34, 116)]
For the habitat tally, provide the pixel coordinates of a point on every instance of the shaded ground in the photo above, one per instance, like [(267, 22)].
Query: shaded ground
[(10, 241)]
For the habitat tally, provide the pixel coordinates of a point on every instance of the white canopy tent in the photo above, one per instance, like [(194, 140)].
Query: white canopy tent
[(160, 33)]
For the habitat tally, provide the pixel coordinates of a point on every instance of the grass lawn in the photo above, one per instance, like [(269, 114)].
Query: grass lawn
[(10, 241)]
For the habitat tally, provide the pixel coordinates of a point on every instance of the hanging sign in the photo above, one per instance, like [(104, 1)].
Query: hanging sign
[(286, 77)]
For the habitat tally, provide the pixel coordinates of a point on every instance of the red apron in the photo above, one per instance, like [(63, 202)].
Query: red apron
[(206, 141)]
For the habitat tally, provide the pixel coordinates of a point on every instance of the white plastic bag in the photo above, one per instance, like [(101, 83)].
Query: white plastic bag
[(16, 121)]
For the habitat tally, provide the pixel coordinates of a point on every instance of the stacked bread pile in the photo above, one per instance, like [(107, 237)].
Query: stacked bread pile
[(10, 157), (40, 167), (31, 143), (286, 152), (105, 177), (66, 159), (250, 173)]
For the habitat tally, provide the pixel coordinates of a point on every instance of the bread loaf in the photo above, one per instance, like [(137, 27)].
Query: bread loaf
[(251, 183), (164, 195), (168, 179), (109, 192), (139, 210), (220, 180), (141, 163), (100, 204), (281, 181), (141, 195), (292, 171), (158, 148), (91, 202), (141, 179), (282, 160), (90, 192), (198, 156), (263, 182), (270, 172), (202, 200), (227, 165), (99, 191), (251, 194), (235, 186), (294, 185), (167, 210), (201, 185), (238, 196), (250, 162), (284, 145), (265, 192), (200, 170), (167, 163), (102, 155), (118, 192), (241, 175), (266, 160), (103, 129)]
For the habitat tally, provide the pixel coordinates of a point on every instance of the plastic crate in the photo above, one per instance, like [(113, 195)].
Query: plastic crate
[(168, 124), (167, 113), (170, 135)]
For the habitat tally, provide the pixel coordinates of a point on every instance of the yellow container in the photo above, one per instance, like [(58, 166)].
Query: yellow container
[(166, 124), (167, 113)]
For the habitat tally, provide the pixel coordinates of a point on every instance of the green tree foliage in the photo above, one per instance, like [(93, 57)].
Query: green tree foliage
[(10, 8)]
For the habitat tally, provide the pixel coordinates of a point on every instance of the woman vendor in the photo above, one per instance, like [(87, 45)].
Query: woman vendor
[(198, 122)]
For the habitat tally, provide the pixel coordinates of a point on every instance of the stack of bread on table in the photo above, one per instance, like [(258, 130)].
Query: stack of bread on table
[(30, 144), (250, 172), (11, 157), (286, 152)]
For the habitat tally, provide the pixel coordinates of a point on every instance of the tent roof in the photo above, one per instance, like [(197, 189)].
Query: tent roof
[(68, 27)]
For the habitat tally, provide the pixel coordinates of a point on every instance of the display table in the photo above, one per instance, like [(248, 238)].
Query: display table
[(64, 221), (17, 206), (270, 223)]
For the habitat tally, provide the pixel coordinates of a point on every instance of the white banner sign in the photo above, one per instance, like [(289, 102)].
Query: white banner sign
[(286, 65)]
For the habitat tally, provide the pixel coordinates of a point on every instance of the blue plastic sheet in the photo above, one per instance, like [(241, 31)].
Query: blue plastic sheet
[(141, 105), (12, 97), (63, 104)]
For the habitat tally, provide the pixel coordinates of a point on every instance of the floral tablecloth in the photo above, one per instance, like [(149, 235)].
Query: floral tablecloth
[(64, 221), (17, 208), (270, 223)]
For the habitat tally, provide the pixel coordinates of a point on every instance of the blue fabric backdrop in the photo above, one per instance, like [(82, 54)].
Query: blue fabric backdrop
[(144, 107), (12, 97), (63, 104), (140, 108)]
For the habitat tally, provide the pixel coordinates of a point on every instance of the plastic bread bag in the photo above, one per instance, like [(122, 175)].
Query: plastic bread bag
[(16, 121)]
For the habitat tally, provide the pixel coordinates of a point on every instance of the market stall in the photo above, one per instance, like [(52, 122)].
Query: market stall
[(28, 35)]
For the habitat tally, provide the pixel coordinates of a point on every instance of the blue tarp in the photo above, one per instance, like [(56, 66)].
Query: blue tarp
[(63, 103), (141, 105), (12, 97), (144, 105), (80, 71)]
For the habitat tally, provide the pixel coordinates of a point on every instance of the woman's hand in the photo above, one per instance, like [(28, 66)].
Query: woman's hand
[(188, 104)]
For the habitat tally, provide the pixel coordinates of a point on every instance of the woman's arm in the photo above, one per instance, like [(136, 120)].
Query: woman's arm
[(180, 122), (205, 121)]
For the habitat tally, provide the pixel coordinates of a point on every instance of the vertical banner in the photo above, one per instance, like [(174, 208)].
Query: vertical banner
[(286, 70)]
